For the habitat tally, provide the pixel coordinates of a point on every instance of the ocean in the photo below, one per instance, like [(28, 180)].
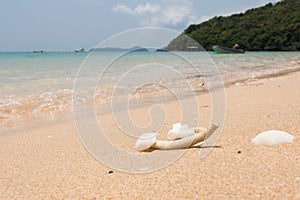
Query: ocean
[(35, 84)]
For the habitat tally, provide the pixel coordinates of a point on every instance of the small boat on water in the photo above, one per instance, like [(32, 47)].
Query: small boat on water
[(161, 50), (79, 50), (40, 51), (221, 49)]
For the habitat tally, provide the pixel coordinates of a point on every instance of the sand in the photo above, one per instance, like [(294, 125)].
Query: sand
[(50, 162)]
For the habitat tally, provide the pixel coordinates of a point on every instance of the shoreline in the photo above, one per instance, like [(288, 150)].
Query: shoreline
[(60, 109), (59, 117)]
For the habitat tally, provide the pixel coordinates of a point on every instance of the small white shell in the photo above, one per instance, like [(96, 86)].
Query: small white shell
[(273, 137), (145, 141), (180, 131)]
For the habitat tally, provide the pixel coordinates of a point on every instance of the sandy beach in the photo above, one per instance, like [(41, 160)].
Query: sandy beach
[(50, 162)]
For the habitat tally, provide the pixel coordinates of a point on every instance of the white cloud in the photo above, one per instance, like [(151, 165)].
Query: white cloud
[(120, 8), (171, 13), (138, 10), (147, 8), (176, 14)]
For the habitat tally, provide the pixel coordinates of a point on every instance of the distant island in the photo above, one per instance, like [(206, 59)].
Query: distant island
[(136, 48), (132, 49), (273, 27)]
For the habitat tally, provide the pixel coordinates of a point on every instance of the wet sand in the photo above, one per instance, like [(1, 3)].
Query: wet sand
[(50, 162)]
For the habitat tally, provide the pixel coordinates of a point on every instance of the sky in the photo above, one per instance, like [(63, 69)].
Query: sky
[(65, 25)]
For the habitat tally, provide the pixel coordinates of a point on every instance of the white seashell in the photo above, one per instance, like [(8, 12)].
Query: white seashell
[(273, 137), (180, 131), (145, 141)]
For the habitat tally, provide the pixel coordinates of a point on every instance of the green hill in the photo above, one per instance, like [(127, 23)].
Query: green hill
[(268, 28)]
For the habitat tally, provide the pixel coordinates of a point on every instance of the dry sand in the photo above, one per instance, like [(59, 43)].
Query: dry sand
[(50, 162)]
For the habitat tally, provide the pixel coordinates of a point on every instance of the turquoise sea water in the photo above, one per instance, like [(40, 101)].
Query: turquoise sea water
[(32, 83)]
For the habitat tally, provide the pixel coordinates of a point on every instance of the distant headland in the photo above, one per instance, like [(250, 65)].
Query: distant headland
[(273, 27)]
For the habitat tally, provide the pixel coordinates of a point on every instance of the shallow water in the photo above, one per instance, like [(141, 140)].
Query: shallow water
[(34, 83)]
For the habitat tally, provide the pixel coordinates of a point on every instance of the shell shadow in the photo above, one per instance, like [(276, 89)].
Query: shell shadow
[(193, 147), (206, 147)]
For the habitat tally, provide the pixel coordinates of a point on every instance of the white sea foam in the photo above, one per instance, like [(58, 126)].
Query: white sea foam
[(273, 137)]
